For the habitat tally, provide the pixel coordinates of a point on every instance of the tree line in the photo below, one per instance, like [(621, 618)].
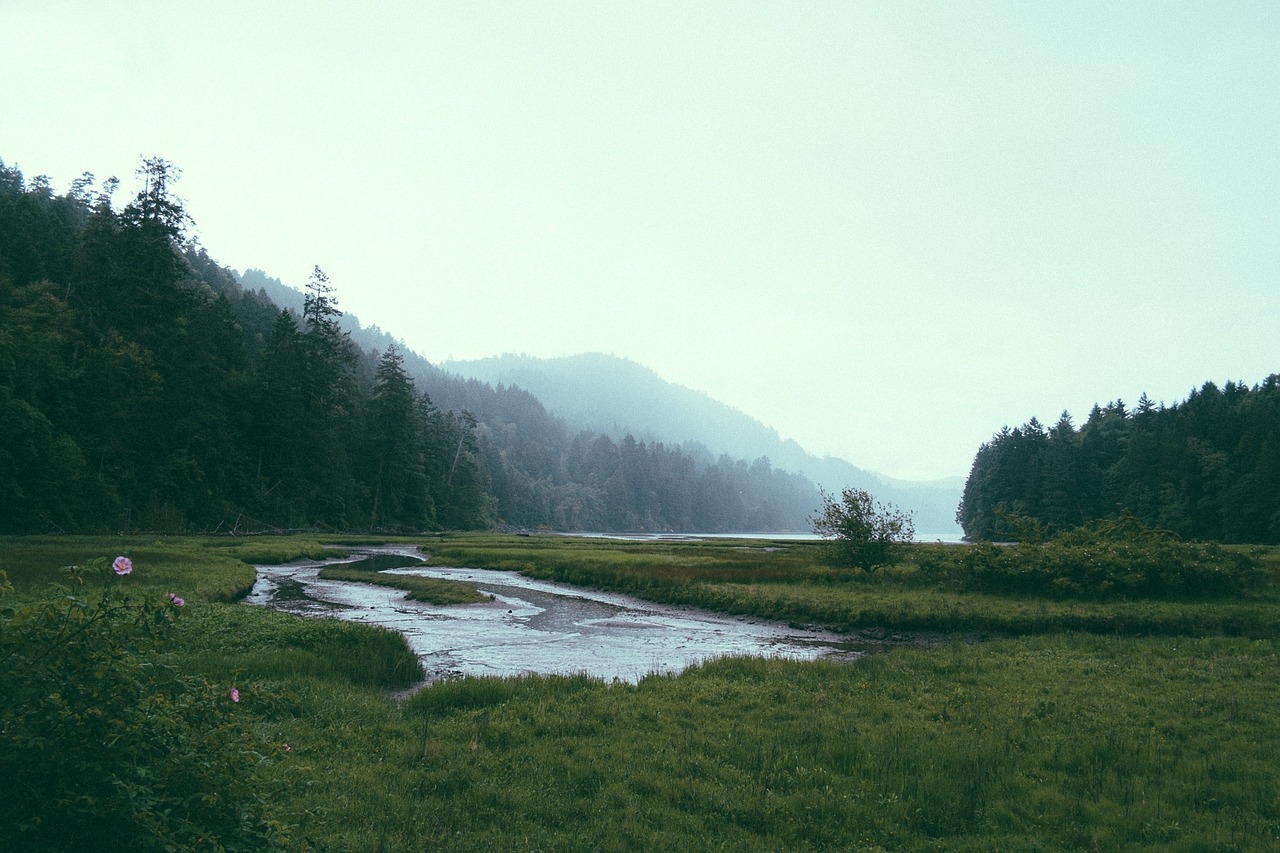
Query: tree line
[(543, 472), (1207, 468), (143, 387)]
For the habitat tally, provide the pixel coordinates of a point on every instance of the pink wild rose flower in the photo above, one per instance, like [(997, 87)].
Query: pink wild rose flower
[(235, 695), (122, 565)]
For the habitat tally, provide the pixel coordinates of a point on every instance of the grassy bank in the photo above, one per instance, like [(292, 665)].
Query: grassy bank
[(1066, 740), (372, 570), (788, 581), (1069, 742)]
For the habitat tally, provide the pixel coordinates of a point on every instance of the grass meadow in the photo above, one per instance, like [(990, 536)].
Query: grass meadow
[(1071, 725)]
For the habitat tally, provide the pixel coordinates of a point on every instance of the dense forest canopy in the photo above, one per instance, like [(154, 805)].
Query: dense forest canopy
[(573, 478), (1207, 468), (145, 387)]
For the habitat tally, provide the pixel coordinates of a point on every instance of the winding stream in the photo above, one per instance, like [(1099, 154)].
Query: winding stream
[(534, 626)]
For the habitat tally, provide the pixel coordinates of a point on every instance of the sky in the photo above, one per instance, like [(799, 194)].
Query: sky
[(886, 229)]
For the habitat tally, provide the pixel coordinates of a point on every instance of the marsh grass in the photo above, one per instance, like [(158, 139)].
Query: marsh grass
[(382, 562), (431, 590), (1060, 741), (274, 550), (645, 564), (1050, 743), (183, 566), (214, 637), (371, 570), (222, 641), (787, 581)]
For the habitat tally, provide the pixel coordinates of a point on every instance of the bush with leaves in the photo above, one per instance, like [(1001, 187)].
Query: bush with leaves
[(864, 533), (1107, 559), (103, 746)]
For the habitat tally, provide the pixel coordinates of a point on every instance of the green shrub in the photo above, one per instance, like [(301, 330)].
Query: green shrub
[(103, 746), (1103, 560), (863, 533)]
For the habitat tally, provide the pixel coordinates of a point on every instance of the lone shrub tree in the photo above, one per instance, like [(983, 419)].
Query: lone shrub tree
[(865, 533)]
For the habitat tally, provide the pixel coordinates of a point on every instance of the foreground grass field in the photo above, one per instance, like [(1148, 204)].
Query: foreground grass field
[(1111, 739)]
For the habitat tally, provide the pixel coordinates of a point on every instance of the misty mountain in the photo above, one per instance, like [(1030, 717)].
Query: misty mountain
[(215, 408), (616, 396), (500, 408), (542, 471)]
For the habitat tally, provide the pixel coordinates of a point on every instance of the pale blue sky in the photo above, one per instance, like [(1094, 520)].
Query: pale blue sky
[(886, 229)]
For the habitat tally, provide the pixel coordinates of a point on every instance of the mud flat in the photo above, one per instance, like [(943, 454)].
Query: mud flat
[(534, 626)]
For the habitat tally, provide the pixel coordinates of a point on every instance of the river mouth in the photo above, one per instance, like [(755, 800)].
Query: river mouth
[(537, 627)]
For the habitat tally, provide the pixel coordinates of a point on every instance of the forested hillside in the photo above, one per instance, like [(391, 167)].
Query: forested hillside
[(141, 388), (544, 471), (145, 387), (1206, 468), (615, 396)]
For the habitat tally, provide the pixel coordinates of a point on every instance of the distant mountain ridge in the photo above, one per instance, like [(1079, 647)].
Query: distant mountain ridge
[(616, 396), (218, 409)]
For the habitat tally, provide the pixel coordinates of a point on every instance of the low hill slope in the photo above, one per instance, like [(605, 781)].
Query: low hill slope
[(614, 396)]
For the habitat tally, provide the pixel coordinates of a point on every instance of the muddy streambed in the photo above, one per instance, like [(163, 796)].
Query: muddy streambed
[(534, 626)]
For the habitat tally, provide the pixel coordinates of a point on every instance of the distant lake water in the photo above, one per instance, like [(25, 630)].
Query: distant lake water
[(956, 538)]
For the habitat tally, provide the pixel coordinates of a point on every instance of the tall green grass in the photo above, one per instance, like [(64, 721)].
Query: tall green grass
[(787, 581), (1051, 743), (1058, 741), (225, 641), (182, 566)]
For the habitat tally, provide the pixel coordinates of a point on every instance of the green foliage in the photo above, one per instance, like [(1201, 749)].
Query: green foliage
[(273, 550), (865, 533), (382, 562), (180, 565), (1105, 560), (105, 745), (397, 453), (1205, 468), (930, 591), (642, 567), (215, 409), (234, 641), (1047, 744), (452, 695), (1066, 741)]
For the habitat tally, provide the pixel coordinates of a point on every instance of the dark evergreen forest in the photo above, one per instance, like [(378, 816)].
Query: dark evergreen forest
[(1207, 468), (145, 387)]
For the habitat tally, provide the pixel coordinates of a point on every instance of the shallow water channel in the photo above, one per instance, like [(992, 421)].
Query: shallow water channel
[(534, 626)]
